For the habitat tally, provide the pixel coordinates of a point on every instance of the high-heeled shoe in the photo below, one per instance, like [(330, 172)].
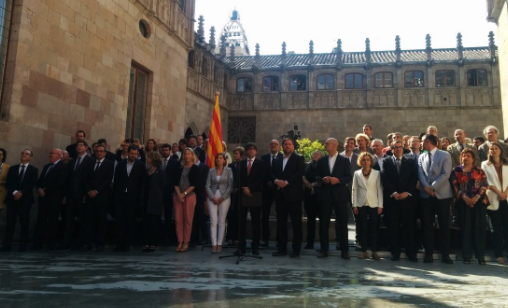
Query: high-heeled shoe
[(179, 247), (185, 246)]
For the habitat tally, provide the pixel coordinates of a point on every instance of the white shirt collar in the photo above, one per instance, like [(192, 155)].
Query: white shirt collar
[(100, 161), (433, 152)]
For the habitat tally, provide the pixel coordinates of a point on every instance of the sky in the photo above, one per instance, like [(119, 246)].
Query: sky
[(271, 22)]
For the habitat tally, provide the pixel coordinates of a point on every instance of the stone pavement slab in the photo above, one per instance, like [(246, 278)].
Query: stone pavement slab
[(199, 279)]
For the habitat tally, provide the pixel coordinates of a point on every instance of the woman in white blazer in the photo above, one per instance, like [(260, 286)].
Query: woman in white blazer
[(367, 202), (496, 169)]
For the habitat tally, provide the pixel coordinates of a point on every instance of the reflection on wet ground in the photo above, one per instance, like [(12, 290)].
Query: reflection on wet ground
[(199, 279)]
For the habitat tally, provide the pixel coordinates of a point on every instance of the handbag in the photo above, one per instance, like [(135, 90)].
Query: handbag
[(493, 200)]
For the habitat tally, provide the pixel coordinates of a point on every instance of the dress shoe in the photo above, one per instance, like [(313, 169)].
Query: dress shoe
[(362, 255), (239, 252), (294, 255), (5, 249), (428, 259), (309, 247), (264, 244), (395, 258), (412, 258), (447, 260), (99, 249), (375, 256), (345, 256), (279, 253), (323, 254), (255, 252)]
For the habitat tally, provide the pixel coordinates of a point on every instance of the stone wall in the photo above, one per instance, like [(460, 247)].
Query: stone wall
[(69, 64), (340, 123), (502, 35)]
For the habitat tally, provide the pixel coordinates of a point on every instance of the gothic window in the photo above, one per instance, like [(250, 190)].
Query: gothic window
[(244, 84), (191, 59), (204, 67), (445, 78), (354, 81), (215, 73), (383, 80), (298, 83), (477, 78), (413, 79), (270, 83), (181, 5), (137, 102), (325, 82), (225, 85), (241, 130)]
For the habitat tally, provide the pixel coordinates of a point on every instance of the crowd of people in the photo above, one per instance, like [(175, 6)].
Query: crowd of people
[(411, 181)]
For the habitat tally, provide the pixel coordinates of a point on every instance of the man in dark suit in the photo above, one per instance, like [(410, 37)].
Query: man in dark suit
[(93, 214), (287, 176), (252, 178), (400, 175), (71, 148), (333, 173), (129, 174), (199, 226), (170, 166), (76, 191), (20, 183), (268, 192), (109, 155), (192, 142), (51, 189)]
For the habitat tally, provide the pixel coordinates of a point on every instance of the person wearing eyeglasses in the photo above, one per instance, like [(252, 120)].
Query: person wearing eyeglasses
[(20, 184)]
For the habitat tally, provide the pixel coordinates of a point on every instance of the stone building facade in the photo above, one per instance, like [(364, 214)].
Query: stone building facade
[(335, 94), (497, 11), (113, 68)]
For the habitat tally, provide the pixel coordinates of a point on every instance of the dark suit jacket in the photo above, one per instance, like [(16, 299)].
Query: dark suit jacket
[(342, 171), (25, 186), (257, 176), (171, 169), (110, 156), (54, 183), (71, 149), (133, 182), (77, 178), (100, 179), (152, 200), (202, 155), (193, 176), (266, 158), (293, 174), (405, 181), (203, 175)]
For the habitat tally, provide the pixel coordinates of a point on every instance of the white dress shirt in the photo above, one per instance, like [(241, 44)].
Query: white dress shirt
[(332, 159)]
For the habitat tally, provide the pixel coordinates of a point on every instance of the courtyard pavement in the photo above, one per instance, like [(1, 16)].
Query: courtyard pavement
[(200, 279)]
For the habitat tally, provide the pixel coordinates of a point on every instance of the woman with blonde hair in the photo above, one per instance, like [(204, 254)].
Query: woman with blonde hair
[(496, 169), (219, 185), (184, 198), (367, 202)]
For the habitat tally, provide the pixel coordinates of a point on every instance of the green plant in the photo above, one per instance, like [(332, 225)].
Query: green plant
[(308, 147)]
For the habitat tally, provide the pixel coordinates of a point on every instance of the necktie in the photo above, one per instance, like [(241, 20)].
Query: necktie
[(97, 165), (77, 163), (461, 147), (165, 163), (49, 168), (22, 173), (430, 163), (273, 158), (398, 165), (249, 165)]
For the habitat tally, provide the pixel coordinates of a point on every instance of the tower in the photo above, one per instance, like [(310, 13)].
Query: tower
[(235, 35)]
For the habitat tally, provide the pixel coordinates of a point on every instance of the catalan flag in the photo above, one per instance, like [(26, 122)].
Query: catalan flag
[(215, 138)]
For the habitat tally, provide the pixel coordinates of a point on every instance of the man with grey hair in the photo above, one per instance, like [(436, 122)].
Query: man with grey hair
[(491, 134), (51, 190), (377, 148), (455, 149)]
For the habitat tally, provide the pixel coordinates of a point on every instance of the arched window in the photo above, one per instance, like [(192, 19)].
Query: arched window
[(383, 80), (244, 84), (325, 82), (204, 67), (298, 83), (413, 79), (477, 78), (445, 78), (191, 59), (354, 81), (270, 83), (215, 73), (225, 85), (181, 5)]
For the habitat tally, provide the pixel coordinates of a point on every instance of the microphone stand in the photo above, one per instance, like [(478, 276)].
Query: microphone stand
[(238, 195)]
